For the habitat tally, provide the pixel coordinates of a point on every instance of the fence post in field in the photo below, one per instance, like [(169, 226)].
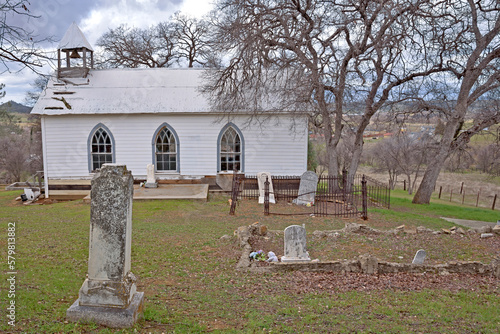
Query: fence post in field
[(463, 197), (451, 194), (477, 200), (462, 187), (344, 184), (234, 193), (266, 197), (364, 195), (494, 201), (440, 190)]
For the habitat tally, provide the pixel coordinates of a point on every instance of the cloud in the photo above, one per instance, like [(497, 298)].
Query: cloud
[(16, 85), (134, 13), (94, 17), (53, 17)]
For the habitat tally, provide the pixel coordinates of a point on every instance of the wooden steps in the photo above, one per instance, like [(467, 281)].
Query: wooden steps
[(69, 189)]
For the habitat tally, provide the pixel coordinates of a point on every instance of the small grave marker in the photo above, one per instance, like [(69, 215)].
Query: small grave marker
[(419, 257), (261, 179), (151, 178), (295, 245)]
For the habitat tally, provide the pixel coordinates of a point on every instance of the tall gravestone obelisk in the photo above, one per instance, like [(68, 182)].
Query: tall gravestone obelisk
[(108, 295)]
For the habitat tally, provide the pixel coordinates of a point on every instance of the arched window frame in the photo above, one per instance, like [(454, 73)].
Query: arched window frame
[(89, 144), (242, 148), (177, 148)]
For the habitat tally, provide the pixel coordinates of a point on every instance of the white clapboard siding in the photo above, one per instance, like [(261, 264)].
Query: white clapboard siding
[(275, 148)]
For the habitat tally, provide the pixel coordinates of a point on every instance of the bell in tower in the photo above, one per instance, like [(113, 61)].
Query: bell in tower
[(75, 48)]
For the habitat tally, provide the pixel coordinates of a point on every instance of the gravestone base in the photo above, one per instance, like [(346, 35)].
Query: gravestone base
[(298, 201), (271, 199), (295, 259), (107, 293), (108, 316), (151, 185)]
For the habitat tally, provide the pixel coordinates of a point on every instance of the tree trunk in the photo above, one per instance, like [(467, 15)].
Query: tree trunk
[(426, 188), (356, 157), (410, 186)]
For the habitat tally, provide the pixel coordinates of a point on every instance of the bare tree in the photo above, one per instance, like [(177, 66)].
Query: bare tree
[(382, 155), (17, 44), (18, 154), (38, 86), (488, 159), (475, 66), (404, 154), (134, 47), (459, 160), (317, 56), (191, 35)]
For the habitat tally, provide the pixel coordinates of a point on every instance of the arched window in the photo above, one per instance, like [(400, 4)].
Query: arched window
[(101, 147), (166, 149), (230, 149)]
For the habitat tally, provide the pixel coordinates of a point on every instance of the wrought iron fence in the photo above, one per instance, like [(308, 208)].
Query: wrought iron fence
[(335, 195)]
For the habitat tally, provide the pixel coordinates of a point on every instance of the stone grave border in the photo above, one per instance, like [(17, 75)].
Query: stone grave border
[(366, 264)]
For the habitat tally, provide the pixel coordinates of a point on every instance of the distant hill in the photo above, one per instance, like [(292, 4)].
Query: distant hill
[(12, 106)]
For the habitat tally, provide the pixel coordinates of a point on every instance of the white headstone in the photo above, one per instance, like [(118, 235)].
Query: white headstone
[(261, 178), (151, 178), (419, 257), (108, 296), (307, 188), (295, 245)]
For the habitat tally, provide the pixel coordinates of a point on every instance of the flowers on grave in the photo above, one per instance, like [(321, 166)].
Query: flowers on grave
[(261, 256), (271, 257), (258, 256)]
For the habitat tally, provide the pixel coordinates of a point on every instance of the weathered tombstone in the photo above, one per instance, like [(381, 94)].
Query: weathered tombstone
[(295, 245), (108, 295), (261, 179), (419, 257), (151, 179), (307, 188)]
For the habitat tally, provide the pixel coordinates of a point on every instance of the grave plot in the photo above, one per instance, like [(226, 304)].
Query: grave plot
[(357, 248), (342, 196)]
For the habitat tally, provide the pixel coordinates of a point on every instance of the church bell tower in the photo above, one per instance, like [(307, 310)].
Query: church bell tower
[(76, 50)]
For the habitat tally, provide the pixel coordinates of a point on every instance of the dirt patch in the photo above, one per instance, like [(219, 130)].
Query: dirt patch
[(305, 282)]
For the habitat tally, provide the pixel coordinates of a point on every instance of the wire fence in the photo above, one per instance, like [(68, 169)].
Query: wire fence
[(461, 193)]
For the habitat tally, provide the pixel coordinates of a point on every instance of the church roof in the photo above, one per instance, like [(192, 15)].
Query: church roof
[(125, 91), (74, 39)]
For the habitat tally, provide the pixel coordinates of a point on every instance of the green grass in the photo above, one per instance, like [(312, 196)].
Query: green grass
[(441, 208), (191, 285)]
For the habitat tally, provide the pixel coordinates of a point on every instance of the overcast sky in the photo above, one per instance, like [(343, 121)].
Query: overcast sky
[(94, 17)]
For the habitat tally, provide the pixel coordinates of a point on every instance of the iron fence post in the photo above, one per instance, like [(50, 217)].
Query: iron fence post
[(364, 195), (266, 197), (344, 184)]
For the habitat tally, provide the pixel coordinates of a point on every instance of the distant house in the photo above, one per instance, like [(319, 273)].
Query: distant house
[(152, 116)]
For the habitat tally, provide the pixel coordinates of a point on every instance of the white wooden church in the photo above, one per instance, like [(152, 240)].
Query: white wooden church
[(155, 116)]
